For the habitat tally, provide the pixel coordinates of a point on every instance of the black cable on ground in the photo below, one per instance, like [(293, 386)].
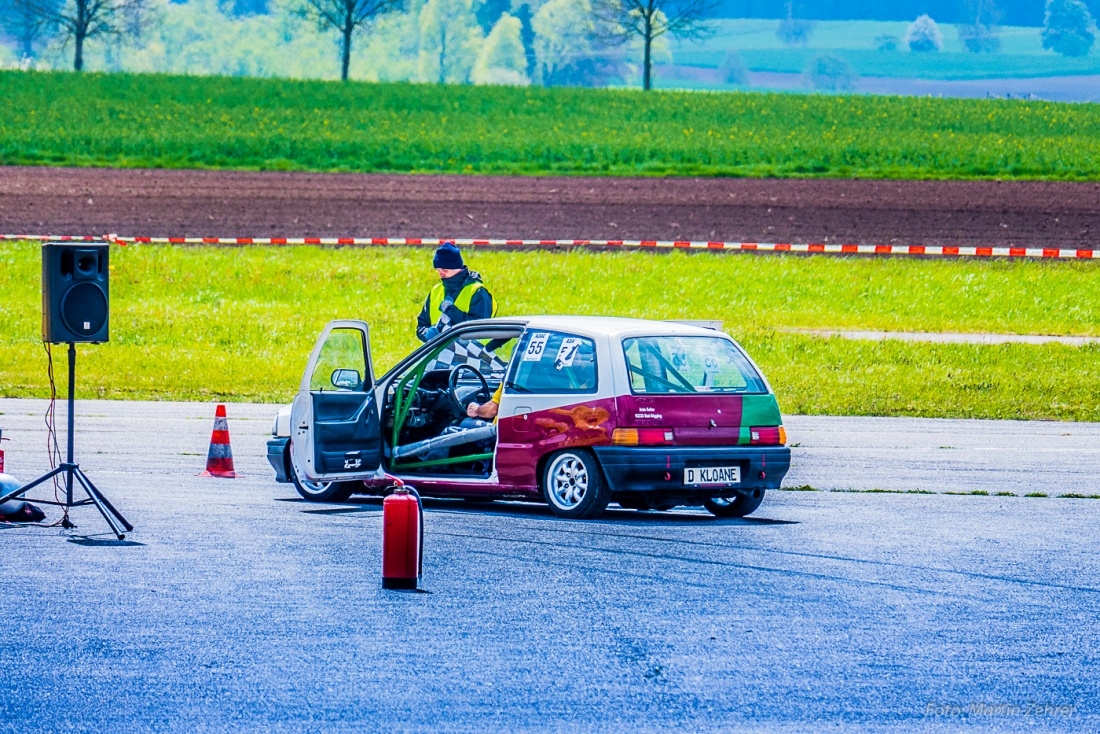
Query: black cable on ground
[(52, 448)]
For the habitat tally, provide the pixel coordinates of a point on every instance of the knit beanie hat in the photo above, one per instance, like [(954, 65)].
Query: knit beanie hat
[(448, 257)]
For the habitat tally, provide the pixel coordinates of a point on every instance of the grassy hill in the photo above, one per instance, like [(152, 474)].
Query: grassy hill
[(216, 122)]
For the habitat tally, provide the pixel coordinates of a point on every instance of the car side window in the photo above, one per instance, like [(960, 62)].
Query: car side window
[(551, 362), (341, 364)]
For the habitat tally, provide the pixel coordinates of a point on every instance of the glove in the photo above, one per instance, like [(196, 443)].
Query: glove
[(431, 333)]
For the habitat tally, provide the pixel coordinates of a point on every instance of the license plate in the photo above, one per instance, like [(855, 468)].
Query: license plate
[(707, 476)]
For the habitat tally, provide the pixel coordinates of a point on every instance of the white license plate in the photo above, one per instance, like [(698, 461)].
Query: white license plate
[(711, 476)]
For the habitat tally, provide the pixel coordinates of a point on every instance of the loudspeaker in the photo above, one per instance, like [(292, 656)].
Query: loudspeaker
[(75, 292)]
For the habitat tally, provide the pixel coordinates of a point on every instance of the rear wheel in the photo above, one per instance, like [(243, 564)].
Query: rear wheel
[(737, 505), (320, 491), (572, 485)]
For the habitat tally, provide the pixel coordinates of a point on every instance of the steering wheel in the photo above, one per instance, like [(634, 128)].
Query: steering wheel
[(481, 395)]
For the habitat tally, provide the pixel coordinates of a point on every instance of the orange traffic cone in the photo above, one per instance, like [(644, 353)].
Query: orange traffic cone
[(219, 462)]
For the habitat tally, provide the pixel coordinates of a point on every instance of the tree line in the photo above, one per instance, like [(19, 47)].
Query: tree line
[(551, 42), (579, 40), (1012, 12)]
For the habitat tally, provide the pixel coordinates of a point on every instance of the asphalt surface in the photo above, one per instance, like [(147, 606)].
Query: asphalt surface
[(234, 606)]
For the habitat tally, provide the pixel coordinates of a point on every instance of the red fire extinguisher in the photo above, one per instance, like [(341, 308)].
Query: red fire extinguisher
[(402, 539), (2, 449)]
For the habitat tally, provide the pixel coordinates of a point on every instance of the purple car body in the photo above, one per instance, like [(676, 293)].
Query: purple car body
[(650, 414)]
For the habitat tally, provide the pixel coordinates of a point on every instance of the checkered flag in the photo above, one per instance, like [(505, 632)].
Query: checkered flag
[(469, 353)]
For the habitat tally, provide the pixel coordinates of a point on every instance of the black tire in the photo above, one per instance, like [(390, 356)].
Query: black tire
[(738, 505), (320, 491), (573, 486)]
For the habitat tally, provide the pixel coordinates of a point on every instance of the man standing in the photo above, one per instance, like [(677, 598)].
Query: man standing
[(458, 296)]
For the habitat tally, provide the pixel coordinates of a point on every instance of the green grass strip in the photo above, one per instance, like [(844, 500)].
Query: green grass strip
[(238, 323), (126, 120)]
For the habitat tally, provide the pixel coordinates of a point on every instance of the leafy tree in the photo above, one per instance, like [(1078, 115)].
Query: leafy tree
[(348, 16), (924, 35), (83, 20), (502, 59), (449, 40), (1068, 28), (649, 20), (830, 73), (571, 47), (25, 27), (981, 34)]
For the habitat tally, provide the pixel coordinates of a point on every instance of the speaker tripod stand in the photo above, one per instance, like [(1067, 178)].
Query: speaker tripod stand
[(118, 524)]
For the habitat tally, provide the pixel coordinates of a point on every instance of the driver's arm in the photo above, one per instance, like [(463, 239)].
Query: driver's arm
[(488, 410)]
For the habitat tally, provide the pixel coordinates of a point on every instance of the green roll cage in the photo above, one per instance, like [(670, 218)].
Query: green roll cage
[(407, 386)]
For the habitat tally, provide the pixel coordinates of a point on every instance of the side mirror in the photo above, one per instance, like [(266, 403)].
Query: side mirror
[(347, 379)]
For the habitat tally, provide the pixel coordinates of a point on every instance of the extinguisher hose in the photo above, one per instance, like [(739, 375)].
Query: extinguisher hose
[(420, 518)]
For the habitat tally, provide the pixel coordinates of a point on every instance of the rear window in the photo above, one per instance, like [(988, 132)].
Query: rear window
[(676, 364), (551, 362)]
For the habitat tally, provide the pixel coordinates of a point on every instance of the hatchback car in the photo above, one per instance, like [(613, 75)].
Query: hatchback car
[(649, 414)]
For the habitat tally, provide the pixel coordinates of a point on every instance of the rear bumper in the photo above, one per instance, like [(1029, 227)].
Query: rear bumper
[(276, 455), (658, 469)]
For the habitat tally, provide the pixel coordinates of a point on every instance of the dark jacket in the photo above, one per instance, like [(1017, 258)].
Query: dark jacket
[(481, 305)]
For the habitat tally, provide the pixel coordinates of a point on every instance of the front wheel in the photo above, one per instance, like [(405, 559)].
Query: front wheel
[(573, 487), (321, 491), (737, 505)]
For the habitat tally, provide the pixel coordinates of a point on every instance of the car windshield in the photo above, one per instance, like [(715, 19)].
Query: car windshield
[(692, 364)]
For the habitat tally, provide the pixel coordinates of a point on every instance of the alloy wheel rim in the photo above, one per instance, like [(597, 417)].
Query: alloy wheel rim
[(568, 482), (723, 501), (311, 487)]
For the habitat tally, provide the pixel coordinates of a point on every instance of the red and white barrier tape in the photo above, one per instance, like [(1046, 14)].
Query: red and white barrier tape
[(827, 249)]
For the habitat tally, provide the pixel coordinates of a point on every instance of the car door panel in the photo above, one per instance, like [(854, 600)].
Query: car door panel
[(335, 427), (347, 434), (537, 419)]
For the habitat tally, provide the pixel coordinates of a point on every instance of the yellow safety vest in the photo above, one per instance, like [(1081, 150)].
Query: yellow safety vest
[(462, 302)]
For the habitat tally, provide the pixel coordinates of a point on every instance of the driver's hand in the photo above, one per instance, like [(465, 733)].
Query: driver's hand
[(471, 410)]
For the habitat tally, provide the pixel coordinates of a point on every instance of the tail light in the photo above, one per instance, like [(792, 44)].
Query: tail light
[(768, 436), (641, 437)]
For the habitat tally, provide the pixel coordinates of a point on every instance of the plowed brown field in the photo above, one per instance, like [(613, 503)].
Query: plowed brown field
[(265, 204)]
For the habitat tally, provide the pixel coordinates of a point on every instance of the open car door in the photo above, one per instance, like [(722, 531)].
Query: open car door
[(335, 431)]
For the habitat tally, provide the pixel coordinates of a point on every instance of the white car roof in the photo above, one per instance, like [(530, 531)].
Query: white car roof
[(616, 327)]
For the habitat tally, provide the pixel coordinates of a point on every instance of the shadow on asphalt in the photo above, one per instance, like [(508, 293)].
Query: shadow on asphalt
[(341, 510), (89, 540), (540, 511)]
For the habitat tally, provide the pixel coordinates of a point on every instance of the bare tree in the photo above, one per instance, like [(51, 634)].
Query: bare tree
[(346, 16), (23, 26), (648, 20), (81, 20)]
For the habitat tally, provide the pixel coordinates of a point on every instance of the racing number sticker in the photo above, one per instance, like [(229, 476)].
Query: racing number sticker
[(536, 347), (567, 351)]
